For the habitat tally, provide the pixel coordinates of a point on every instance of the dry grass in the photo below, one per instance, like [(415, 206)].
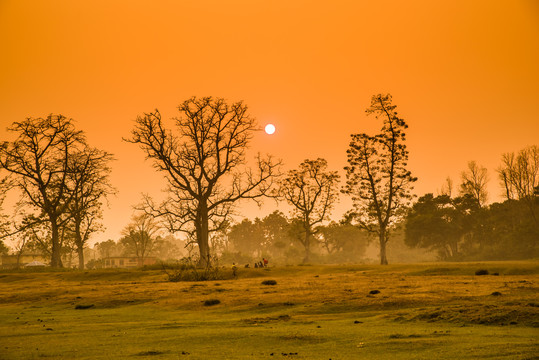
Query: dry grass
[(306, 309)]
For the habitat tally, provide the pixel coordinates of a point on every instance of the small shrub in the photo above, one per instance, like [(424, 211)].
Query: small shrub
[(150, 353), (269, 282), (83, 307), (211, 302), (496, 293), (374, 292), (186, 270), (481, 272)]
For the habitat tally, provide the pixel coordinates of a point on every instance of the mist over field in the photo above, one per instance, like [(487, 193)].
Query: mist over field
[(259, 180)]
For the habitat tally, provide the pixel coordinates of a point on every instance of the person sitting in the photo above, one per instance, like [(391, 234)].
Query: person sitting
[(256, 265)]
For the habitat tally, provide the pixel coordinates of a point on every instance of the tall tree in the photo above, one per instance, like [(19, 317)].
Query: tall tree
[(89, 187), (312, 192), (204, 164), (377, 177), (38, 162), (474, 182)]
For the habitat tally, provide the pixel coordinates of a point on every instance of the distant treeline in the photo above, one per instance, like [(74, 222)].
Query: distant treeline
[(63, 183), (458, 229)]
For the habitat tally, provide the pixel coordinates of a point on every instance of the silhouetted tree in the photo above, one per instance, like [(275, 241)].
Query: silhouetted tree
[(505, 231), (447, 187), (344, 238), (441, 223), (377, 177), (312, 192), (276, 229), (89, 186), (474, 182), (4, 219), (247, 237), (204, 165), (139, 236), (167, 248), (38, 162), (519, 175), (109, 248)]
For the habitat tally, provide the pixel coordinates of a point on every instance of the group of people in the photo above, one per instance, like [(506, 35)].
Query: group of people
[(261, 264)]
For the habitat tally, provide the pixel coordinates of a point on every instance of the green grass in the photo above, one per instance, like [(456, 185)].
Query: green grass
[(425, 311)]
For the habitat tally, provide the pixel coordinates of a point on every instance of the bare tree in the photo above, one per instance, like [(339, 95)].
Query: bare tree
[(89, 187), (4, 219), (377, 177), (204, 165), (447, 187), (519, 176), (519, 173), (140, 235), (38, 164), (312, 192), (474, 182)]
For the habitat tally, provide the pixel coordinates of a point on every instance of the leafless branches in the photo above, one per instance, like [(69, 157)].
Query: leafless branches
[(204, 165)]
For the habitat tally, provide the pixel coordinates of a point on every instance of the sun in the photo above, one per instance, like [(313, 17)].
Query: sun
[(269, 129)]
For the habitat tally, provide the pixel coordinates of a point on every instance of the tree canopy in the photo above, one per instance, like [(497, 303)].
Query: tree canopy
[(377, 177)]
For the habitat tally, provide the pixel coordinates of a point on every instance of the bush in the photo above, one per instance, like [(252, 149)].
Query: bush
[(211, 302), (186, 270), (269, 282), (481, 272)]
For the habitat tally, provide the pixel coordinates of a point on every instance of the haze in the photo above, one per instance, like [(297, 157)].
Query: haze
[(463, 74)]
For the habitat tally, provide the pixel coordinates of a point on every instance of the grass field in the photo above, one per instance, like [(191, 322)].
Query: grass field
[(426, 311)]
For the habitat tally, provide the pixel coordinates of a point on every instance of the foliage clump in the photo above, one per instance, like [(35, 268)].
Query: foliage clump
[(211, 302), (269, 282), (186, 270)]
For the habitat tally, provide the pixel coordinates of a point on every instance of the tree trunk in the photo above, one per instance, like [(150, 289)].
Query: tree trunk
[(307, 246), (80, 245), (80, 252), (203, 238), (19, 253), (383, 253), (56, 254), (307, 243)]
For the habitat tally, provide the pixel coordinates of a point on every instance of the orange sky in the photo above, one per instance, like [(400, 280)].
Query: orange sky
[(464, 75)]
